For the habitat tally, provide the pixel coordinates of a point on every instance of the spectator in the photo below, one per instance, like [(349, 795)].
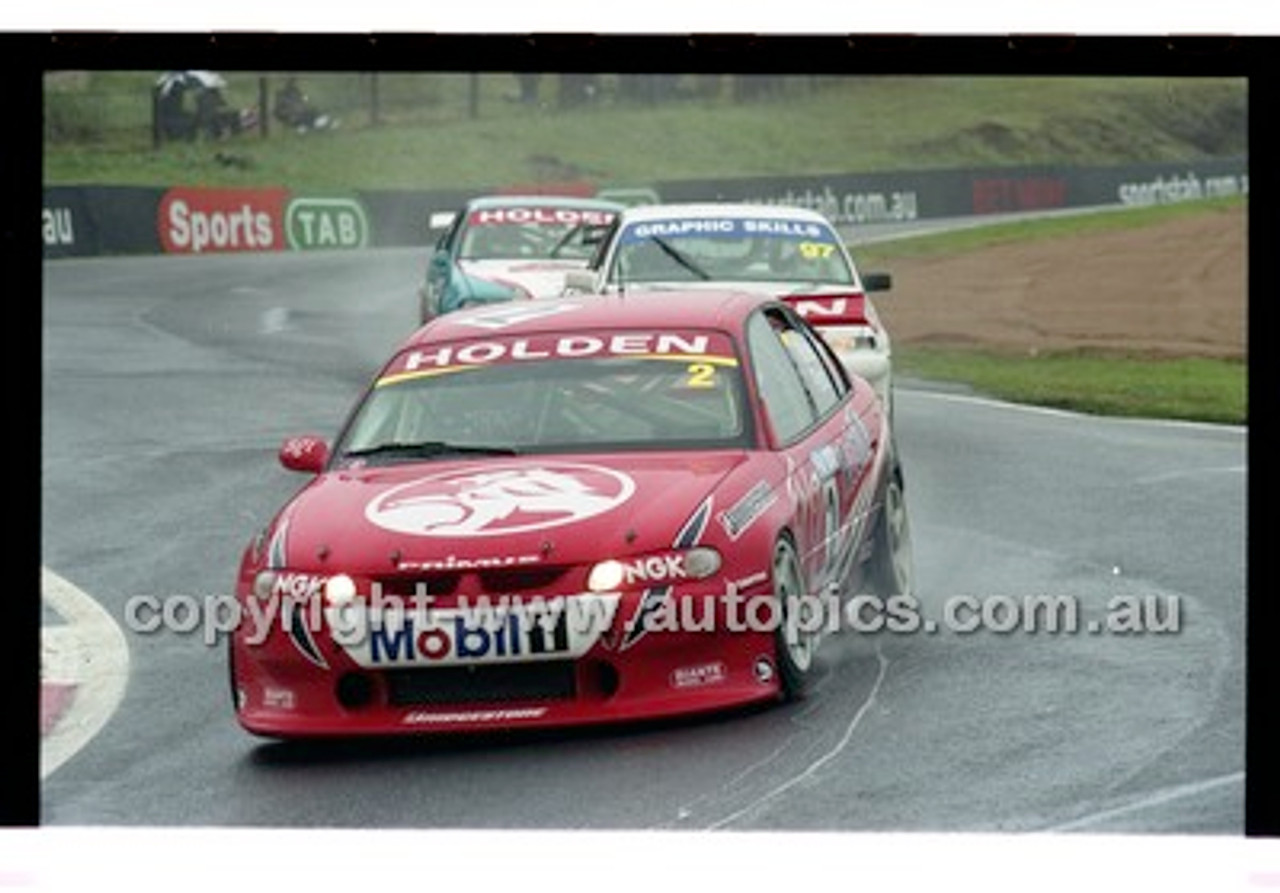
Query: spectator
[(175, 120), (578, 89), (214, 117), (529, 87), (294, 109), (211, 117)]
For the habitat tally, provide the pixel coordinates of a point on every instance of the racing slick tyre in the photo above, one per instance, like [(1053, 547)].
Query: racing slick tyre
[(891, 565), (793, 647), (231, 676)]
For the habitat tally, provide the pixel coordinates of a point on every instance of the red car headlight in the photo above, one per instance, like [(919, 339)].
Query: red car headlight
[(339, 590), (670, 566)]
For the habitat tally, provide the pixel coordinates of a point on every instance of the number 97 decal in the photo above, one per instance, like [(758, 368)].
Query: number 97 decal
[(816, 250)]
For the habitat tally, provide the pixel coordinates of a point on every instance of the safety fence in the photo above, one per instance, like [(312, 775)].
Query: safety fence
[(139, 109)]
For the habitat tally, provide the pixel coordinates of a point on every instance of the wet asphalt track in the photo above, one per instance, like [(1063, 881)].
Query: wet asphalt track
[(169, 382)]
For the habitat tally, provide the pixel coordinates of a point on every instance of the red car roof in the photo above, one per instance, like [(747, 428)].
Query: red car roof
[(703, 309)]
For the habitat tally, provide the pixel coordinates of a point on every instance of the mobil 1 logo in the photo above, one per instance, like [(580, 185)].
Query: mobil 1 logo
[(321, 223)]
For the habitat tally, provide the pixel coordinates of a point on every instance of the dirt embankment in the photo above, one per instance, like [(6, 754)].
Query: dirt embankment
[(1175, 288)]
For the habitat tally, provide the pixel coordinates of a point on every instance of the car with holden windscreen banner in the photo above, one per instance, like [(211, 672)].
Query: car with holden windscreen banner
[(573, 511), (509, 247), (793, 254)]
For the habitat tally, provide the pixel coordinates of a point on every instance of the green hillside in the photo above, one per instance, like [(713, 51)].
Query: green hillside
[(425, 131)]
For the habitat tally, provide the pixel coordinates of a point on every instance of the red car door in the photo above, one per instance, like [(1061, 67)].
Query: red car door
[(824, 427)]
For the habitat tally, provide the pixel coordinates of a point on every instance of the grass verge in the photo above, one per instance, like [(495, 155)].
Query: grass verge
[(1201, 389), (990, 235), (1189, 388)]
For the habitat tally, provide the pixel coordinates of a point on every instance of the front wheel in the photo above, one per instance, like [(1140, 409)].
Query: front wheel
[(232, 681), (892, 565), (794, 648)]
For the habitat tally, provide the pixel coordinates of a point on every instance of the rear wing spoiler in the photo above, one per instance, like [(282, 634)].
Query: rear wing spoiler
[(839, 309), (848, 309), (438, 220)]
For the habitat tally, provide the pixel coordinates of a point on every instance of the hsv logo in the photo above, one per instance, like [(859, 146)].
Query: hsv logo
[(500, 501), (192, 221)]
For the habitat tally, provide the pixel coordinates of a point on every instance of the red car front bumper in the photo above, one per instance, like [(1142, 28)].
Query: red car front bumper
[(300, 682)]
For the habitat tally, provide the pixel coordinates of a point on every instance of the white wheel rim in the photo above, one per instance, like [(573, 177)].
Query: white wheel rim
[(786, 575), (899, 536)]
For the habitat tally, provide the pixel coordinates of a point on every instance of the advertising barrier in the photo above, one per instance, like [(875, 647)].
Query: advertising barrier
[(104, 220), (196, 221), (903, 196), (78, 221)]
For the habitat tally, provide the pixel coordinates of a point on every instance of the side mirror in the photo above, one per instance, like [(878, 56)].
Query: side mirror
[(580, 281), (877, 282), (307, 453), (438, 220)]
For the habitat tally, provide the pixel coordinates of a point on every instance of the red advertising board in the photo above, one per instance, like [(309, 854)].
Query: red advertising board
[(994, 195), (194, 220)]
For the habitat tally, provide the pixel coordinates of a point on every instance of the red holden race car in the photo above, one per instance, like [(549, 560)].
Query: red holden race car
[(568, 511)]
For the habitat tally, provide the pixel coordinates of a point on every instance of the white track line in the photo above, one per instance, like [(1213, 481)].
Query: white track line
[(1068, 414), (1192, 472), (687, 810), (90, 652), (1151, 800), (817, 764)]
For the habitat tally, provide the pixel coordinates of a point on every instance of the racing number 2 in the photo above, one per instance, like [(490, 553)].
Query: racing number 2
[(701, 375)]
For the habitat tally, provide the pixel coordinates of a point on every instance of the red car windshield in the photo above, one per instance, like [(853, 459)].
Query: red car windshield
[(572, 393)]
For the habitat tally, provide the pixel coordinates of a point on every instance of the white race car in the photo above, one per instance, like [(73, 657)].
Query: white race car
[(791, 253), (509, 247)]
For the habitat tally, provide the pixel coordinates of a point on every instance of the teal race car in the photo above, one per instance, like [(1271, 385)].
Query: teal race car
[(510, 247)]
